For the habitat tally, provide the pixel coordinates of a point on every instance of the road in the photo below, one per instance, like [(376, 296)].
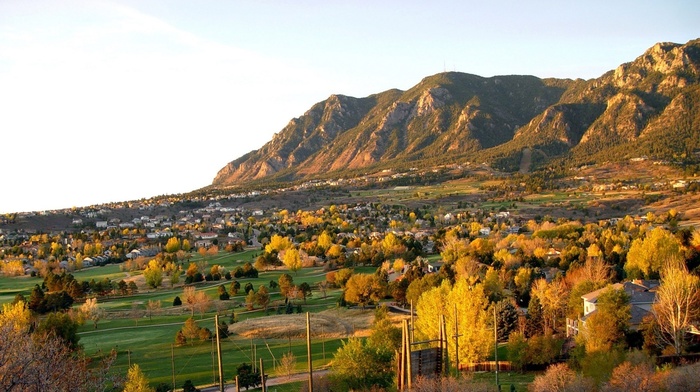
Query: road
[(271, 382)]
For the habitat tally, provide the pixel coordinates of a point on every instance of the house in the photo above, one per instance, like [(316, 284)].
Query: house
[(434, 267), (642, 294)]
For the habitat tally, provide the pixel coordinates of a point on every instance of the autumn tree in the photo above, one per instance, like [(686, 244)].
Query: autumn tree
[(287, 364), (262, 297), (421, 285), (136, 381), (677, 304), (560, 378), (44, 363), (196, 300), (292, 260), (153, 274), (173, 245), (476, 339), (234, 287), (153, 307), (325, 241), (91, 311), (392, 245), (647, 256), (286, 284), (363, 289), (16, 317), (342, 276), (278, 244), (552, 297)]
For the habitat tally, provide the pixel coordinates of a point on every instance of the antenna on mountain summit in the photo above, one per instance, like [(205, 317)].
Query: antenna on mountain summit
[(444, 67)]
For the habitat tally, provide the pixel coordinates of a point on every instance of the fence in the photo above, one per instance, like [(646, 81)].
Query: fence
[(488, 366)]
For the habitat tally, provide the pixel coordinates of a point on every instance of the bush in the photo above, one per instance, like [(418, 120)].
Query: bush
[(177, 301), (189, 387)]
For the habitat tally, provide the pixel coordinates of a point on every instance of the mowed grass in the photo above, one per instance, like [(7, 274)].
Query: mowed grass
[(150, 341), (11, 286), (152, 346)]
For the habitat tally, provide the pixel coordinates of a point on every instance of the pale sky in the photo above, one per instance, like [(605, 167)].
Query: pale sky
[(115, 100)]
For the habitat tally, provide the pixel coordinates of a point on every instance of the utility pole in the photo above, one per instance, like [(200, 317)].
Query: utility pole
[(262, 376), (218, 354), (172, 363), (495, 344), (308, 353), (456, 342)]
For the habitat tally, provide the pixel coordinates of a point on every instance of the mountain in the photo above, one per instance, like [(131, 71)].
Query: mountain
[(648, 106)]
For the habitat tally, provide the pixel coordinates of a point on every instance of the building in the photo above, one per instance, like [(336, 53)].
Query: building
[(642, 295)]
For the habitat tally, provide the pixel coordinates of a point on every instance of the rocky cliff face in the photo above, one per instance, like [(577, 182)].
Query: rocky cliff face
[(462, 115)]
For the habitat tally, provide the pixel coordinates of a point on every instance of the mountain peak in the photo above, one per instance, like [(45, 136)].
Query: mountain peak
[(453, 115)]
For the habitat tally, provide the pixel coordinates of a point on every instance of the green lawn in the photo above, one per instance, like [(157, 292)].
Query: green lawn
[(9, 287), (151, 345)]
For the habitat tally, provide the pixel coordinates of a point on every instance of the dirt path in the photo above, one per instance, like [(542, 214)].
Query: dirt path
[(525, 161)]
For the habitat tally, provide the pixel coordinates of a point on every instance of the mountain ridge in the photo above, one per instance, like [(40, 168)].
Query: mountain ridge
[(456, 115)]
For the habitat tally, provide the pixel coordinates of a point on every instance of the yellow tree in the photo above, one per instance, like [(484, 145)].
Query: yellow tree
[(153, 274), (647, 256), (678, 304), (476, 338), (325, 241), (292, 260), (16, 317), (173, 245), (553, 298), (334, 251), (136, 381), (453, 247), (363, 289), (278, 243), (392, 245)]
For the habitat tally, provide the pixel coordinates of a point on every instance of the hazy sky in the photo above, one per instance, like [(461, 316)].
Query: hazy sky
[(117, 100)]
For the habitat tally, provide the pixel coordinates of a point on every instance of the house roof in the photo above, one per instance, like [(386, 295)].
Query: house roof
[(638, 293)]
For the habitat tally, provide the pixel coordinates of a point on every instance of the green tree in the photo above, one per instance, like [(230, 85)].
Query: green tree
[(606, 327), (384, 335), (136, 381), (234, 287), (247, 377), (358, 366), (223, 294), (188, 386), (305, 290), (62, 326)]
